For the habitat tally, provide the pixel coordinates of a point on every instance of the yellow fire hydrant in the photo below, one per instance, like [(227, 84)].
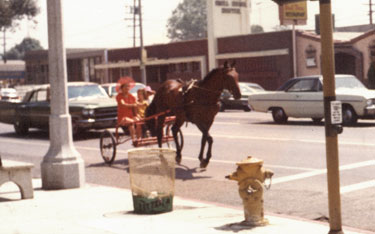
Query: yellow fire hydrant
[(251, 176)]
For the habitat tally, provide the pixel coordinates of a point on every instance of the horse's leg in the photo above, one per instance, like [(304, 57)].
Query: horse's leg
[(203, 145), (176, 126), (206, 137), (208, 155)]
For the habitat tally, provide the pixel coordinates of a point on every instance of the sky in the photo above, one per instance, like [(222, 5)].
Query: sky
[(102, 24)]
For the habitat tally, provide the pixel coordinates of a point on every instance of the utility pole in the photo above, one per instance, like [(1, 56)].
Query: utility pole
[(370, 12), (143, 53), (137, 10), (134, 11), (332, 153), (134, 22)]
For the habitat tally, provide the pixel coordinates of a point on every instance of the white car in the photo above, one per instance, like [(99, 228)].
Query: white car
[(302, 97), (110, 88), (9, 94)]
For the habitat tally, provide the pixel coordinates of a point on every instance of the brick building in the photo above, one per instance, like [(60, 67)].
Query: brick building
[(264, 58)]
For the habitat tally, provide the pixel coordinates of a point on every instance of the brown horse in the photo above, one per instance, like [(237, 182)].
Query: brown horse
[(197, 102)]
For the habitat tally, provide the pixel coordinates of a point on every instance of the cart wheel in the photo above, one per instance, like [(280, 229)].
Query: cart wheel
[(107, 146), (180, 137)]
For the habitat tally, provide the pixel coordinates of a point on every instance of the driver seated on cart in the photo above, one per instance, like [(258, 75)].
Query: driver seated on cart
[(126, 108)]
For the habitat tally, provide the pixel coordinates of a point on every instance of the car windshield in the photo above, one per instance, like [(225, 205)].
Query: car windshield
[(348, 82), (85, 91)]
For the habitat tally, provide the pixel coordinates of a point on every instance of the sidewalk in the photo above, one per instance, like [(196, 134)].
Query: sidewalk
[(96, 209)]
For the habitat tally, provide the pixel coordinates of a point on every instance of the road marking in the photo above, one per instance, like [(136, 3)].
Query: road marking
[(281, 139), (358, 186), (228, 123), (268, 165), (320, 172), (235, 137)]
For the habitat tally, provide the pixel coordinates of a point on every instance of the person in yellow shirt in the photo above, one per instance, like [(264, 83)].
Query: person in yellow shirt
[(142, 103)]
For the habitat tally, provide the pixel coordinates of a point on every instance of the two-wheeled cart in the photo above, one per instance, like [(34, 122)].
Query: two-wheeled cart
[(109, 140)]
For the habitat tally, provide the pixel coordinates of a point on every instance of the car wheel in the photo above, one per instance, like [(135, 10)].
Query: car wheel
[(279, 116), (349, 116), (20, 127), (246, 108), (317, 120)]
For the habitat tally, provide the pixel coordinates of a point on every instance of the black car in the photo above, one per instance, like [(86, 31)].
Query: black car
[(228, 102), (89, 106)]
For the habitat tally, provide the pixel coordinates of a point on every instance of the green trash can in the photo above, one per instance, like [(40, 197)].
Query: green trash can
[(152, 176)]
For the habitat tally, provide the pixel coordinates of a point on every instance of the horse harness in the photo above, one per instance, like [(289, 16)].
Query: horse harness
[(190, 87)]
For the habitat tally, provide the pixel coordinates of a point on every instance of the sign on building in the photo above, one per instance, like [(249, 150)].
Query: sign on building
[(231, 17), (293, 13)]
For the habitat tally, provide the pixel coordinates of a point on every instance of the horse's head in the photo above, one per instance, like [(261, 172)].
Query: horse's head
[(231, 80)]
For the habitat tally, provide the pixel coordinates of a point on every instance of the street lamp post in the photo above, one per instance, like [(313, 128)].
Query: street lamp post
[(62, 167)]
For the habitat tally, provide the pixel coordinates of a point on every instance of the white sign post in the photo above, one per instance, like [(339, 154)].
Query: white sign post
[(336, 112)]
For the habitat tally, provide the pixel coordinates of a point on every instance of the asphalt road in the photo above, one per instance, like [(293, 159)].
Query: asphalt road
[(295, 152)]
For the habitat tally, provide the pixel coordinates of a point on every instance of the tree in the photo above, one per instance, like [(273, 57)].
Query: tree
[(18, 51), (11, 11), (188, 21), (256, 28)]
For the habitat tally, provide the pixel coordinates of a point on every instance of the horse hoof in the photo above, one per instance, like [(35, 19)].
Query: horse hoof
[(204, 164), (178, 160)]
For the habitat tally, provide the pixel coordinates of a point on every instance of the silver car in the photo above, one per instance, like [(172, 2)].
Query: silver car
[(302, 97)]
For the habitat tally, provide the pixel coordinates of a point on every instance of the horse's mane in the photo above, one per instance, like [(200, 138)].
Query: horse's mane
[(208, 76)]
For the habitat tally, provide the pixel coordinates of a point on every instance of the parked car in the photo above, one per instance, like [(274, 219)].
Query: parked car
[(110, 88), (89, 106), (9, 94), (302, 97), (228, 102), (256, 87)]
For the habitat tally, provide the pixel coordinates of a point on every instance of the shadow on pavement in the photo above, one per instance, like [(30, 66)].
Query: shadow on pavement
[(182, 172), (310, 123), (44, 135)]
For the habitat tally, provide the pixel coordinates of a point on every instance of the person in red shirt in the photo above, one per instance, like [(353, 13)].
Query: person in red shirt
[(126, 104)]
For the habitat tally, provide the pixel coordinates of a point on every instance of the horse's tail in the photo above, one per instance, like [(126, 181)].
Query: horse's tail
[(151, 110)]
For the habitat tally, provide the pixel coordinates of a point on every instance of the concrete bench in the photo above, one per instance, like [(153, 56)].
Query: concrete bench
[(20, 174)]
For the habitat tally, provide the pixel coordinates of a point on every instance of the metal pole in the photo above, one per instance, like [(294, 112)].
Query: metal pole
[(294, 50), (143, 54), (332, 157)]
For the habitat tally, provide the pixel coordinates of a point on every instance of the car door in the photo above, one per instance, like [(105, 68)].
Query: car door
[(307, 99), (39, 109)]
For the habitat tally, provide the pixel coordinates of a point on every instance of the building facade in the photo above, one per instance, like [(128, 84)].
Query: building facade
[(80, 65), (12, 73), (264, 58)]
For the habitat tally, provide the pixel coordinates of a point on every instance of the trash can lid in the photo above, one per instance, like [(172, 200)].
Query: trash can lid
[(250, 161)]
